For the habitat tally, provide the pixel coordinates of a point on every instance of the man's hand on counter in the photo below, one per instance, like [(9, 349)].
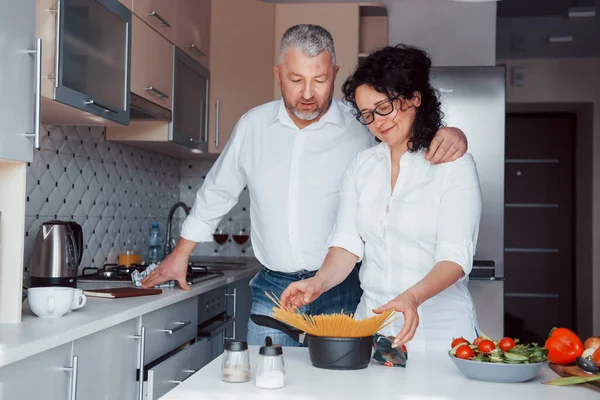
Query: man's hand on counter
[(173, 267)]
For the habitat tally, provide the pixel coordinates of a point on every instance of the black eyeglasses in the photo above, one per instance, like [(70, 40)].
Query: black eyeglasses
[(382, 109)]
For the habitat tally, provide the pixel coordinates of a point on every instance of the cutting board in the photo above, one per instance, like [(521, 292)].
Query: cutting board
[(120, 292), (572, 370)]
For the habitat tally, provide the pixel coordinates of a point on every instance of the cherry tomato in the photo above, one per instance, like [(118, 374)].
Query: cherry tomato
[(478, 340), (485, 346), (506, 344), (465, 352), (458, 341)]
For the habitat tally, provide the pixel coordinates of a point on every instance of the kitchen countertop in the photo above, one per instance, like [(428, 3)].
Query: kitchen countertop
[(35, 335), (426, 377)]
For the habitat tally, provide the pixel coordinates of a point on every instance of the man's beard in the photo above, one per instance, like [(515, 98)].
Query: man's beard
[(310, 116), (307, 116)]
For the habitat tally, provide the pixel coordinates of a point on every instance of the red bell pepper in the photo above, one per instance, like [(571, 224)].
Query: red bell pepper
[(563, 346)]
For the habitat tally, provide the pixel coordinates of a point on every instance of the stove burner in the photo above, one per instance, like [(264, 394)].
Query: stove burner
[(122, 273)]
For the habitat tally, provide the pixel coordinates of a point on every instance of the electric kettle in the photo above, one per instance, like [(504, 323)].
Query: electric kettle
[(56, 254)]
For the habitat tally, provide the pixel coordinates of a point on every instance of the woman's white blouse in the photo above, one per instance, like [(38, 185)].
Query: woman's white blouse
[(432, 215)]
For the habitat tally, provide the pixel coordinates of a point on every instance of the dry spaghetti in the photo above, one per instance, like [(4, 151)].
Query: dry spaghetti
[(330, 325)]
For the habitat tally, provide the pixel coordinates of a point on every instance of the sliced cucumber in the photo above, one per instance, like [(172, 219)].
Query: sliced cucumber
[(515, 357)]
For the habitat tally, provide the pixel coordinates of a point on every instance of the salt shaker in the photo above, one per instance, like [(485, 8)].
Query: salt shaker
[(270, 369), (236, 363)]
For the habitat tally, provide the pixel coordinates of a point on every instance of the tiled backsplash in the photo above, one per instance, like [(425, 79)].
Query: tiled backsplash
[(113, 191)]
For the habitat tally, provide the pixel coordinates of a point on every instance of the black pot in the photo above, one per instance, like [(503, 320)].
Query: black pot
[(326, 352)]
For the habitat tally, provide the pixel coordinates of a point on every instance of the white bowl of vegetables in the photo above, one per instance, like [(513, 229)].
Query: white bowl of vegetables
[(504, 361)]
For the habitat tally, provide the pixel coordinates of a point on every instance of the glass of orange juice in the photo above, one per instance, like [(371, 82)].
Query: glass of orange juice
[(129, 255)]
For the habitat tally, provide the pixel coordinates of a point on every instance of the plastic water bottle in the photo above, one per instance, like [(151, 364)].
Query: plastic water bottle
[(154, 244)]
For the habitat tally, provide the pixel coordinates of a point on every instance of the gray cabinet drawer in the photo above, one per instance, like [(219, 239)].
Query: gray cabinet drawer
[(169, 373), (42, 376), (201, 354), (169, 328)]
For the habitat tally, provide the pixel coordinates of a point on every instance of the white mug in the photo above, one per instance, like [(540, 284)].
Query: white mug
[(50, 302), (79, 299)]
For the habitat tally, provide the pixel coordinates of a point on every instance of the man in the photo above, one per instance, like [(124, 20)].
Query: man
[(291, 153)]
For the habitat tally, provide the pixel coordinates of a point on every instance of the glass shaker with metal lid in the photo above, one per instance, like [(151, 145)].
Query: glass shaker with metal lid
[(236, 363), (270, 368)]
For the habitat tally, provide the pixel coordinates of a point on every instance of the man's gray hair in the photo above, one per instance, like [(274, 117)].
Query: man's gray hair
[(311, 40)]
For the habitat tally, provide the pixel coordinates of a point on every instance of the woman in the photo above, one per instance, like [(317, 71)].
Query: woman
[(414, 224)]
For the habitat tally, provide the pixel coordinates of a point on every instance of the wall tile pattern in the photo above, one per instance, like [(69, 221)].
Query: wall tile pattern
[(114, 192)]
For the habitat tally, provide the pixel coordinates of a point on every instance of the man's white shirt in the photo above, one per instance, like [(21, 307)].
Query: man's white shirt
[(293, 176)]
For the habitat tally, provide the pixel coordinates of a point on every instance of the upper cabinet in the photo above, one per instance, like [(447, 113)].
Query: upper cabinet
[(159, 14), (19, 110), (151, 65), (207, 102), (86, 61), (373, 28), (192, 28), (241, 63), (127, 3)]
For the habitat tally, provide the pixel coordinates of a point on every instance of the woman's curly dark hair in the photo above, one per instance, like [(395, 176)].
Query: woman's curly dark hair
[(400, 71)]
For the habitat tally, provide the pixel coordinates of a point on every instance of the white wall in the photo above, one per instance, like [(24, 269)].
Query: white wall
[(453, 33)]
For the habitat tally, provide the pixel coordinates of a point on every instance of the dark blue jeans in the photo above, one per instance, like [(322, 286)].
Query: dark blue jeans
[(344, 297)]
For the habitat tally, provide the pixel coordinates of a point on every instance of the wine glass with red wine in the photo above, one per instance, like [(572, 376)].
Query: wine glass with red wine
[(221, 234), (241, 233)]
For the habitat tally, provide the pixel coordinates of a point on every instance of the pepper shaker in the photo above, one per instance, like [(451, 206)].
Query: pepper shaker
[(270, 368), (236, 363)]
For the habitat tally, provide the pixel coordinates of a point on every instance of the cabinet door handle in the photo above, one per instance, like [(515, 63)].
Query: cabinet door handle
[(152, 89), (187, 371), (73, 370), (57, 38), (100, 105), (38, 93), (180, 325), (234, 295), (232, 337), (202, 118), (158, 17), (206, 103), (217, 112), (194, 47), (142, 338)]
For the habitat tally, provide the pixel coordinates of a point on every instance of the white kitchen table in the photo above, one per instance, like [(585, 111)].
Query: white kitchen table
[(426, 377)]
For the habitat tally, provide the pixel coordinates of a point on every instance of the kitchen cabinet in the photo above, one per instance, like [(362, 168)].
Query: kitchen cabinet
[(108, 361), (344, 28), (169, 327), (127, 3), (239, 303), (186, 134), (373, 28), (159, 14), (168, 374), (18, 113), (151, 65), (86, 58), (49, 375), (192, 28), (241, 63)]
